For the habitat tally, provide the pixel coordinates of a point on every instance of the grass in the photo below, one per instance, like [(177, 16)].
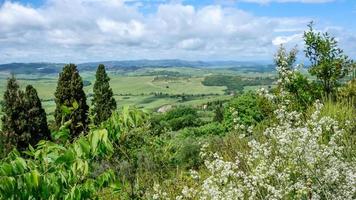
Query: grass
[(136, 88), (145, 85), (130, 90)]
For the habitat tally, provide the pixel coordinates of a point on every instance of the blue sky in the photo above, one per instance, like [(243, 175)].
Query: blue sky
[(92, 30)]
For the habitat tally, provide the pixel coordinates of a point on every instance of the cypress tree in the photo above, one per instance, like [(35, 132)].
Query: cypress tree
[(70, 94), (103, 101), (219, 113), (14, 119), (36, 117)]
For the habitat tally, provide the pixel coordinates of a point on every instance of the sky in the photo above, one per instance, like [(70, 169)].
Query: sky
[(101, 30)]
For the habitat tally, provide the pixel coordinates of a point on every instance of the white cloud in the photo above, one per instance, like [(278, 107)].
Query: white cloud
[(296, 39), (191, 44), (87, 30), (13, 15)]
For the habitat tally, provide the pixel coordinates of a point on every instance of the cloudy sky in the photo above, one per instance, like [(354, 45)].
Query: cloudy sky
[(98, 30)]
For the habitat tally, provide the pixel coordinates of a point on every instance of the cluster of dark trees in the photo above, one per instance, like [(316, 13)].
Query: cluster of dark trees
[(24, 121), (236, 83)]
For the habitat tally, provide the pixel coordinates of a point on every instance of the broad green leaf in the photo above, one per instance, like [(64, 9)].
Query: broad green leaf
[(35, 178), (75, 105)]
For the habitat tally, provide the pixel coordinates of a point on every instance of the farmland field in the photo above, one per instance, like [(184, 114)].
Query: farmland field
[(146, 88)]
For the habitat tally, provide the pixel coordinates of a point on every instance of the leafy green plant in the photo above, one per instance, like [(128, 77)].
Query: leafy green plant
[(66, 170), (328, 62), (55, 171), (176, 119), (247, 109)]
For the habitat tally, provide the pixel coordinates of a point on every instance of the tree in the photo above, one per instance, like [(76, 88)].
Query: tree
[(103, 101), (14, 116), (328, 63), (247, 110), (219, 113), (70, 101), (299, 89), (36, 117)]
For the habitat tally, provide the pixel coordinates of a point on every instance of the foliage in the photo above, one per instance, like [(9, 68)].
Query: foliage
[(103, 101), (67, 170), (328, 63), (295, 159), (292, 84), (235, 83), (14, 119), (213, 128), (348, 92), (268, 146), (128, 131), (36, 117), (70, 94), (188, 154), (175, 119), (24, 121), (219, 113), (55, 171), (247, 110)]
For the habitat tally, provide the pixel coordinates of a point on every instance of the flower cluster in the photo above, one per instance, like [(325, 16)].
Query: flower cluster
[(265, 93), (296, 160), (237, 125)]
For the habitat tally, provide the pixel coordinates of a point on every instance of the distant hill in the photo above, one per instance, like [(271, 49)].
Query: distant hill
[(31, 68), (130, 65)]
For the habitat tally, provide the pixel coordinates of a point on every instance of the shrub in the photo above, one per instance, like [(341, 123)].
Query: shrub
[(188, 154), (247, 109), (175, 119), (297, 160), (213, 128)]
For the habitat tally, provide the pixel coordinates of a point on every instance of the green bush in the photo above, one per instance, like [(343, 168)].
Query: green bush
[(187, 154), (303, 92), (247, 109), (213, 128), (176, 119)]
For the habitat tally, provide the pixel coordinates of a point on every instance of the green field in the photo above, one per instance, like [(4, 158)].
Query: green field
[(148, 88)]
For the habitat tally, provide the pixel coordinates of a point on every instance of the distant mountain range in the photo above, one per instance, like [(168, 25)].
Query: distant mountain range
[(48, 68)]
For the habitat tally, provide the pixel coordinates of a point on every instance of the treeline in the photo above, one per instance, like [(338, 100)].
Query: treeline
[(236, 83), (162, 94), (166, 73), (24, 120)]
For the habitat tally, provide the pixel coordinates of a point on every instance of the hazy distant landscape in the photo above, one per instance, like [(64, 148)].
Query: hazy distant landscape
[(149, 84)]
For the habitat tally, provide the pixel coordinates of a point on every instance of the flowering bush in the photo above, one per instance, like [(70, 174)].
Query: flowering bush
[(296, 160), (292, 84)]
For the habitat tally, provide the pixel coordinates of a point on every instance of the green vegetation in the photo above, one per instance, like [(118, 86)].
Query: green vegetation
[(36, 117), (300, 90), (247, 110), (103, 102), (328, 63), (14, 118), (236, 83), (285, 142), (71, 101), (24, 121)]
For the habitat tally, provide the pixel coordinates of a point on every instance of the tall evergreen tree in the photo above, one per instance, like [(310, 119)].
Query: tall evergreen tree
[(103, 100), (219, 113), (14, 119), (36, 117), (70, 95)]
